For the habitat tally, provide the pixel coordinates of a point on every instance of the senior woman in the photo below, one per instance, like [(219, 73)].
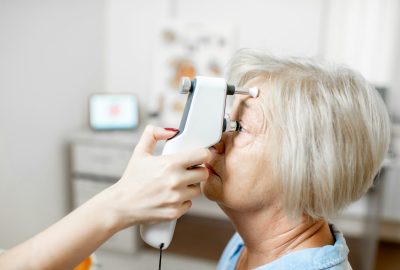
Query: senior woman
[(310, 144)]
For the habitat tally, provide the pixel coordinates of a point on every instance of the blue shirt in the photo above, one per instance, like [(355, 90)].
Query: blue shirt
[(326, 257)]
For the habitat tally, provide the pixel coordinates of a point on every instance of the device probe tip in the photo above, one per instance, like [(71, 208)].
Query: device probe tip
[(253, 91)]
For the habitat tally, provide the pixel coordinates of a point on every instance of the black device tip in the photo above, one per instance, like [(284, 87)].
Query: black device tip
[(230, 89)]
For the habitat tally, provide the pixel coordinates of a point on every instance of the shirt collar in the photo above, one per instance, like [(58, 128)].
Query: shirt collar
[(310, 258)]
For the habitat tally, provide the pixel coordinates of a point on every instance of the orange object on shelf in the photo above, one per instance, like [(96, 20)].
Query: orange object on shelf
[(85, 265)]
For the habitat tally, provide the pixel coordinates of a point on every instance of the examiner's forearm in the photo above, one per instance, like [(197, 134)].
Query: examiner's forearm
[(69, 241), (152, 189)]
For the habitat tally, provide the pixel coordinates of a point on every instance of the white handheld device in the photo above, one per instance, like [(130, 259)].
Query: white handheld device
[(201, 125)]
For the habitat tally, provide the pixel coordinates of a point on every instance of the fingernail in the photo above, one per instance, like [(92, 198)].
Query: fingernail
[(172, 129)]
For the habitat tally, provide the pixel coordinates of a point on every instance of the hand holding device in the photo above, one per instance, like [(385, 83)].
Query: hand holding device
[(201, 125), (157, 188)]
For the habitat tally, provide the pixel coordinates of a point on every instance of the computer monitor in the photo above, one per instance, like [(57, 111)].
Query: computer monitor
[(113, 111)]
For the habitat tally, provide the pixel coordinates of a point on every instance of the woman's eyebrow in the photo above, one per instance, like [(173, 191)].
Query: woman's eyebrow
[(245, 103)]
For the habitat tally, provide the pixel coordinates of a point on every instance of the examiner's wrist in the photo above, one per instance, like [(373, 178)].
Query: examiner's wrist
[(105, 206)]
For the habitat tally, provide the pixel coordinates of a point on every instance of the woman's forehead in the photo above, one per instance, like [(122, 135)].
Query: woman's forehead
[(247, 101), (248, 109)]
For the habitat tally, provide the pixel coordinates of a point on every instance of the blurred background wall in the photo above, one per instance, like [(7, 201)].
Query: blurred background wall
[(51, 58), (54, 53)]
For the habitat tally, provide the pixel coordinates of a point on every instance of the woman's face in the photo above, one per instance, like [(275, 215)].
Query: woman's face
[(240, 175)]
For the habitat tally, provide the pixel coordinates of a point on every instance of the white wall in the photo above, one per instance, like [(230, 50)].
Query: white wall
[(131, 28), (282, 27), (394, 85), (362, 34), (51, 57)]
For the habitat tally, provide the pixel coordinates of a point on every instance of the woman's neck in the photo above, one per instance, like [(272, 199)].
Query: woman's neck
[(268, 235)]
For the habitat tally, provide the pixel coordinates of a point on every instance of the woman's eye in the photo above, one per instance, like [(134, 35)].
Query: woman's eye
[(240, 128)]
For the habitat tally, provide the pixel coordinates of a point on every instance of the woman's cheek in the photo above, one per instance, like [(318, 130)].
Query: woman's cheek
[(243, 139)]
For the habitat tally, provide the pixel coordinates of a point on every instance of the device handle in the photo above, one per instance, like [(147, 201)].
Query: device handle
[(157, 234), (201, 127), (161, 233)]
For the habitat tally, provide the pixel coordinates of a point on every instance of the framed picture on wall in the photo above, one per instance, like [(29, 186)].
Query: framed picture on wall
[(186, 49)]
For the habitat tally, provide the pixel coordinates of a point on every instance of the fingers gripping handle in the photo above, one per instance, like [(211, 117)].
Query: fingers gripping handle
[(162, 233), (159, 234)]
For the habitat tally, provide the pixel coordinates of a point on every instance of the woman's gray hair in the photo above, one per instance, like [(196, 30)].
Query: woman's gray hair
[(331, 127)]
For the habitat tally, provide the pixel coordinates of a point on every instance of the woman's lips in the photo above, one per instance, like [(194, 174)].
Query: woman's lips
[(211, 169)]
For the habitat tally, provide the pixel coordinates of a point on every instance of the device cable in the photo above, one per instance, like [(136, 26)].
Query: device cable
[(159, 262)]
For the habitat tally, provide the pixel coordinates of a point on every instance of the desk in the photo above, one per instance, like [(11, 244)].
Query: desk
[(97, 160)]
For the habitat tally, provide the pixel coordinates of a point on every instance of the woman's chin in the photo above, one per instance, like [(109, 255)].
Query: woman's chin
[(212, 188)]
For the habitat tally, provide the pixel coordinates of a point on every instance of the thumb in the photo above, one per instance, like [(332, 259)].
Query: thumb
[(150, 136)]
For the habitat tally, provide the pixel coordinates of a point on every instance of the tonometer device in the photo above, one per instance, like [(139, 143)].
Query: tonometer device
[(202, 124)]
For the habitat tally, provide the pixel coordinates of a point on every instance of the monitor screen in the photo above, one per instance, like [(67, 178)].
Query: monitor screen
[(113, 111)]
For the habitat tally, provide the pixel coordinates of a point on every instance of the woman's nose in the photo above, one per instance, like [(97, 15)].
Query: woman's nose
[(220, 146)]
